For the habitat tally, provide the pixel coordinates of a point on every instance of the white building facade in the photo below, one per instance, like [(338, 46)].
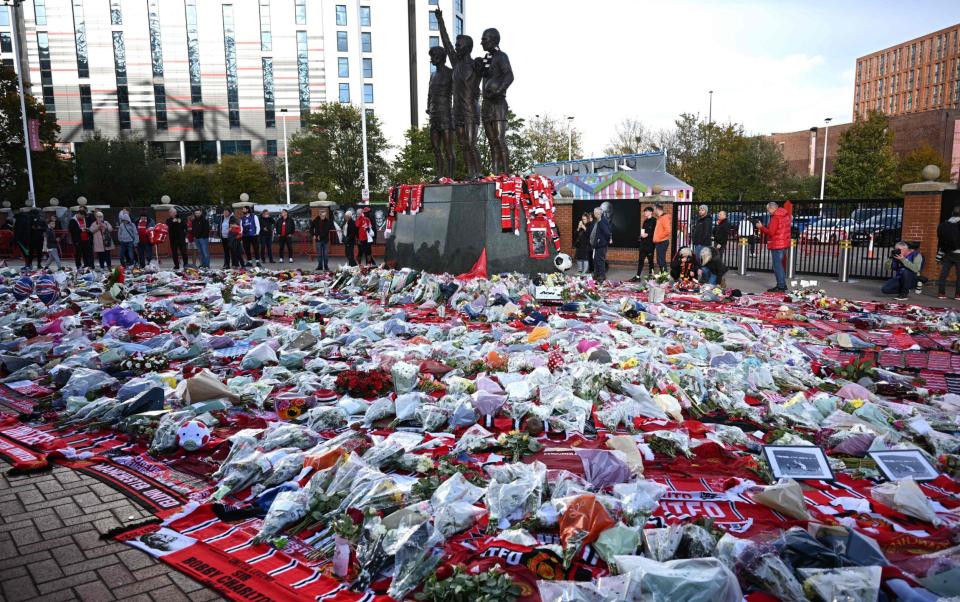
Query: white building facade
[(200, 79)]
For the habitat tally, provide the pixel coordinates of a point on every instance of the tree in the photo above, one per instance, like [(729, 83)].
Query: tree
[(866, 167), (327, 154), (118, 171), (547, 136), (236, 174), (414, 162), (192, 185), (52, 173), (911, 165), (518, 144), (630, 137), (800, 188)]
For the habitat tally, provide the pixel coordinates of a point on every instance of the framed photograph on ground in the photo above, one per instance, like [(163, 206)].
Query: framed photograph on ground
[(897, 464), (800, 462)]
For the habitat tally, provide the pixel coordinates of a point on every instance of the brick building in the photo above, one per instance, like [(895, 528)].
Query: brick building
[(919, 75), (940, 129)]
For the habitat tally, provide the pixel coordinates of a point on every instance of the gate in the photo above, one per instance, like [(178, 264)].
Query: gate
[(872, 226)]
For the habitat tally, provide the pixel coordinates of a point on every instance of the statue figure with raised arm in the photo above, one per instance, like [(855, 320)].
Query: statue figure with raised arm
[(466, 96), (441, 119)]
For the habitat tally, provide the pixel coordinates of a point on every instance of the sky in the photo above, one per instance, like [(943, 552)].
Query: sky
[(774, 65)]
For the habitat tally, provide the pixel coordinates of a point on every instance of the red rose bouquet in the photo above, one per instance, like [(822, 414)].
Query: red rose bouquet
[(364, 384)]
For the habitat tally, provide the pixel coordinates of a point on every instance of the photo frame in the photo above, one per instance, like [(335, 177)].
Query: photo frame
[(799, 462), (898, 464)]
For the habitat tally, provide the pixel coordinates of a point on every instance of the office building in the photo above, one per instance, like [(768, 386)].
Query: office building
[(922, 74), (199, 79)]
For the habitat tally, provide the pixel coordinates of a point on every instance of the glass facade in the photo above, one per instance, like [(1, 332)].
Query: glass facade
[(40, 12), (368, 93), (271, 148), (156, 50), (342, 45), (234, 147), (193, 55), (230, 62), (266, 38), (269, 100), (367, 68), (4, 16), (303, 72), (120, 67), (366, 44), (343, 67), (203, 152), (86, 106), (197, 116), (160, 102), (364, 16), (46, 72), (80, 35), (457, 26), (341, 15), (116, 17), (434, 26), (6, 42), (301, 11)]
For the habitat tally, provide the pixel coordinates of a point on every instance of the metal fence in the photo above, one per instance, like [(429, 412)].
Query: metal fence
[(819, 229)]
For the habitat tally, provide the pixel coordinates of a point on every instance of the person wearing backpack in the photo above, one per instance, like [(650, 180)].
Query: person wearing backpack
[(948, 237)]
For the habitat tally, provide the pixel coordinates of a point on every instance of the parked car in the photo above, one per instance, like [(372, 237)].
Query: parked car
[(885, 228), (826, 230)]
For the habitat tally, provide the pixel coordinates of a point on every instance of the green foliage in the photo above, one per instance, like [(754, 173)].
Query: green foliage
[(118, 171), (911, 165), (327, 154), (722, 163), (414, 162), (192, 185), (548, 139), (52, 174), (237, 174), (800, 187), (866, 167), (489, 586)]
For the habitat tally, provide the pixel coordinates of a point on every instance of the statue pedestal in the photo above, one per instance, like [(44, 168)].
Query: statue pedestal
[(456, 222)]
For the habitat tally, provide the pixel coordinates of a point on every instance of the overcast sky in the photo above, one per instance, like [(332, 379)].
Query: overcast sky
[(774, 65)]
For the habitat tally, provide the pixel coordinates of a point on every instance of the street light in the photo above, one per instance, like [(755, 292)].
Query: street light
[(710, 114), (286, 155), (569, 137), (823, 170), (31, 200)]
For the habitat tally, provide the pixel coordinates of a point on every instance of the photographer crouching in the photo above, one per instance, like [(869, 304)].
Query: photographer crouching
[(906, 264)]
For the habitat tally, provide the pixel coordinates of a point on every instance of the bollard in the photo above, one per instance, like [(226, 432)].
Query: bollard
[(845, 260), (791, 257), (743, 256), (870, 252)]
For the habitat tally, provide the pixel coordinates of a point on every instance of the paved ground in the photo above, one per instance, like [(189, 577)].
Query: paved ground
[(50, 546)]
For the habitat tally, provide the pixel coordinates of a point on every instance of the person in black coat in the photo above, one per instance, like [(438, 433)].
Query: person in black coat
[(177, 231), (582, 243), (350, 238), (722, 232), (200, 228), (267, 224), (712, 267), (701, 229), (684, 267), (285, 227), (81, 238), (647, 227), (320, 229), (600, 238), (22, 227), (38, 231)]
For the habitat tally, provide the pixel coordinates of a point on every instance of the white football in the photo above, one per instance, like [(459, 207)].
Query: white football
[(192, 435), (562, 262)]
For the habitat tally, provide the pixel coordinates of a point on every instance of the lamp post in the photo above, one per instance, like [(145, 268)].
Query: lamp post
[(569, 137), (286, 155), (15, 4), (710, 113), (823, 169)]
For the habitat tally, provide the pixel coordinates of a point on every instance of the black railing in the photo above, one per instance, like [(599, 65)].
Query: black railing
[(873, 226)]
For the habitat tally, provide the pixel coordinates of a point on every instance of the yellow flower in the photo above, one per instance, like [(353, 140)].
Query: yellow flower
[(630, 363), (857, 403)]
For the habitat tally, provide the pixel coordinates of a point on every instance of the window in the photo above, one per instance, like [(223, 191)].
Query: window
[(6, 42), (156, 50), (201, 152), (434, 41), (341, 15), (46, 72), (459, 6), (342, 45), (365, 43), (457, 26), (80, 35), (434, 2), (303, 72), (343, 67), (367, 68), (116, 18), (4, 16), (364, 16), (40, 11), (168, 151), (434, 26), (368, 93), (344, 92), (193, 56), (271, 148), (301, 11), (910, 100), (7, 63), (197, 119), (230, 62), (266, 38), (86, 106), (120, 68), (234, 147), (269, 100), (160, 102)]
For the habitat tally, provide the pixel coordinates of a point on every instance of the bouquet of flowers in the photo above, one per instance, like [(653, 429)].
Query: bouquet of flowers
[(518, 444), (157, 315), (405, 377), (290, 408), (287, 507), (142, 364), (365, 384), (459, 585)]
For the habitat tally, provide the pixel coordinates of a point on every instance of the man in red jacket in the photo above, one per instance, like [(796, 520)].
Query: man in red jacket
[(778, 241)]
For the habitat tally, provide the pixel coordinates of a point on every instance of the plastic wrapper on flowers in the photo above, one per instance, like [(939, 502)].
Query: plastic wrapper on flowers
[(515, 491), (287, 508), (849, 584), (696, 580)]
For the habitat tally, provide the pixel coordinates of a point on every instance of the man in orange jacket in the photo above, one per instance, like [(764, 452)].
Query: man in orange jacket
[(661, 236)]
